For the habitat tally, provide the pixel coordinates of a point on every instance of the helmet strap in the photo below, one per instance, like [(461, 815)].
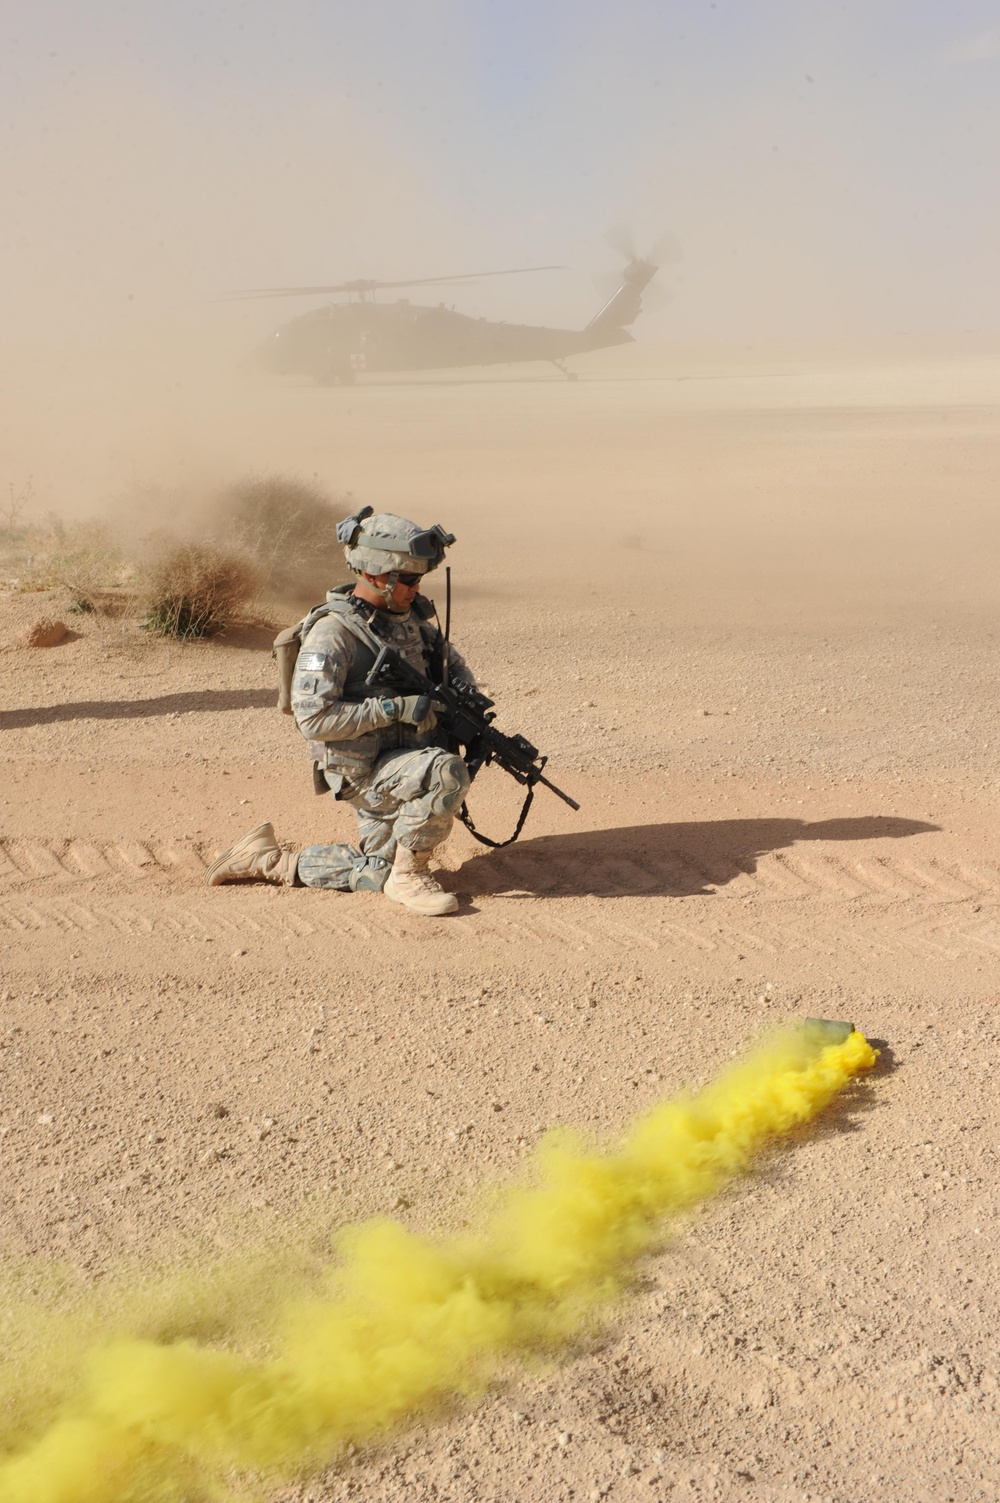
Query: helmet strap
[(383, 594), (386, 593)]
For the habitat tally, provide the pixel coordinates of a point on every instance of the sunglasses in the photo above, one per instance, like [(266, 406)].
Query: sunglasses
[(409, 580)]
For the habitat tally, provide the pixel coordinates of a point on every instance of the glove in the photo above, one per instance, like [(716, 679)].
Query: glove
[(413, 709), (417, 709)]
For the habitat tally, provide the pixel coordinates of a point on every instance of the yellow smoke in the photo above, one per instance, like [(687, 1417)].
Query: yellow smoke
[(404, 1321)]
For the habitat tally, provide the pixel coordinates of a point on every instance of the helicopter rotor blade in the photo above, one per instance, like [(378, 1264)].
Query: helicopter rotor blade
[(621, 239), (363, 285), (251, 292), (465, 276), (665, 251)]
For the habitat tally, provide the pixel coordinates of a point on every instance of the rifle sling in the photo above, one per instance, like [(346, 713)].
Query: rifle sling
[(498, 845)]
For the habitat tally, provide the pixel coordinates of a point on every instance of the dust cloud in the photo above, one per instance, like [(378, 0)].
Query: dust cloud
[(138, 192), (737, 581), (135, 216)]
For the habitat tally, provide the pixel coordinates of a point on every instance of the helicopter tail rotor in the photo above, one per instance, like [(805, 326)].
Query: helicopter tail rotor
[(621, 238), (630, 290), (655, 296), (664, 251)]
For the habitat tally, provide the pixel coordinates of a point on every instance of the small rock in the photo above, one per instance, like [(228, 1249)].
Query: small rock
[(211, 1157), (44, 632), (45, 1119), (218, 1110), (563, 1438)]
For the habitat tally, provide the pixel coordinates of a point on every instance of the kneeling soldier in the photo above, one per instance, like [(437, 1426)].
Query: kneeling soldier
[(382, 754)]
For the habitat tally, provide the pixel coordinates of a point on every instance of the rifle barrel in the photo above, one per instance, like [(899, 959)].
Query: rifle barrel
[(559, 793)]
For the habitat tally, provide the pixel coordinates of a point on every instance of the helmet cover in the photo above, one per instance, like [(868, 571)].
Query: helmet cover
[(383, 543)]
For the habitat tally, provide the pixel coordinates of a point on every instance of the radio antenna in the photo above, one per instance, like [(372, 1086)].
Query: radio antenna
[(447, 624)]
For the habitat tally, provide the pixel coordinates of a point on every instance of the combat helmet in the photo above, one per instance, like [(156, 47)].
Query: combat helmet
[(382, 543)]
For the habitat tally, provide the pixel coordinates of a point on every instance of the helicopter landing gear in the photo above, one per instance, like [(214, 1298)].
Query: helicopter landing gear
[(336, 374), (570, 375)]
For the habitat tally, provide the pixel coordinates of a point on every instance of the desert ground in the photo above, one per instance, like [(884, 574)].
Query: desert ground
[(748, 607)]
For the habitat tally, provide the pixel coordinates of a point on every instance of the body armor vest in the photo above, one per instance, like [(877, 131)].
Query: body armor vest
[(368, 641)]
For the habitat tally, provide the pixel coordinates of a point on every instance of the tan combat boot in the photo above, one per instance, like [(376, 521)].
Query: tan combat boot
[(411, 884), (257, 855)]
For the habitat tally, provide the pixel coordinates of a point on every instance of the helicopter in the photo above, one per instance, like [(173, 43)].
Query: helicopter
[(336, 343)]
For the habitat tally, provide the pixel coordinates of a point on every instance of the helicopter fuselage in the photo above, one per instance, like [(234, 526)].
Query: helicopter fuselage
[(336, 342)]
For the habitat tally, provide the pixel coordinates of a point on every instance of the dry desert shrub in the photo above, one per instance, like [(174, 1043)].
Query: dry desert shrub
[(79, 557), (17, 501), (288, 527), (267, 534), (189, 589)]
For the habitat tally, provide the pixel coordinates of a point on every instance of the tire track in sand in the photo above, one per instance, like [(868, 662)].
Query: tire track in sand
[(778, 875), (778, 902)]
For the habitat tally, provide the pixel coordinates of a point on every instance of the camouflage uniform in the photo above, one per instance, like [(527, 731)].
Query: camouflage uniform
[(404, 787)]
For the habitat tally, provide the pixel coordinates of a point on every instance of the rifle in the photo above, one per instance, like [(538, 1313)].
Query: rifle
[(468, 718)]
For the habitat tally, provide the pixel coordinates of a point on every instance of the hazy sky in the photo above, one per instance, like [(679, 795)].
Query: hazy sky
[(827, 168)]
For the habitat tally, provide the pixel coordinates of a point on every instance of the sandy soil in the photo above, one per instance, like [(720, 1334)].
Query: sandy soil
[(750, 613)]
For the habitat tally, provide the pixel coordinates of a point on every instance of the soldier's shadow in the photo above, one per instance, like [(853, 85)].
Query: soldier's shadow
[(669, 860)]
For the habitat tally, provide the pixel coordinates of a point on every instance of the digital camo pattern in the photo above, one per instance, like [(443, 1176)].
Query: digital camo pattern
[(405, 788), (348, 735), (374, 560), (410, 799)]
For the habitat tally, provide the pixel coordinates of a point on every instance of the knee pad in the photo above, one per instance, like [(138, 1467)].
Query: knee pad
[(369, 874), (453, 781)]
